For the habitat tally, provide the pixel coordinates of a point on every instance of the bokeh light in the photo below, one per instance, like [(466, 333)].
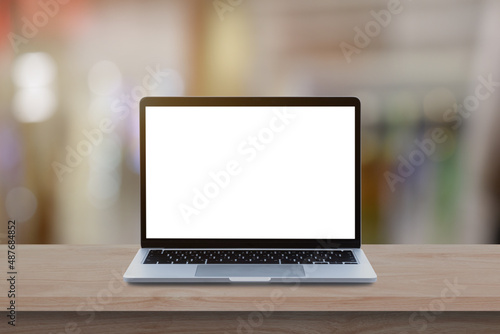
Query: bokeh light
[(95, 59), (34, 104), (33, 70), (20, 204)]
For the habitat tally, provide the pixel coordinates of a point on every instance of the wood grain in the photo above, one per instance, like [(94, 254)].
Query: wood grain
[(250, 322), (410, 278)]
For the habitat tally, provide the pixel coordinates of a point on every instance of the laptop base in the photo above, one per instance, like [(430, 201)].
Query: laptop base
[(138, 272)]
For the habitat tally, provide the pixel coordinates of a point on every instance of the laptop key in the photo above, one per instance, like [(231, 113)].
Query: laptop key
[(253, 257)]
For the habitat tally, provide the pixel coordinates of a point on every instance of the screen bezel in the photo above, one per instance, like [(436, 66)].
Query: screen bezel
[(251, 101)]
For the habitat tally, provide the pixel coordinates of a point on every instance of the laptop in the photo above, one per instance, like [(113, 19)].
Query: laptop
[(250, 189)]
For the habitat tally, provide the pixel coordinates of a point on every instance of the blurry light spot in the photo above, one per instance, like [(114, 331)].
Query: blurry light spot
[(437, 103), (20, 204), (33, 70), (104, 78), (34, 104), (169, 85)]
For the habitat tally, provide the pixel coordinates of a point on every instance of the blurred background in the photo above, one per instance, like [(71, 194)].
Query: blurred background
[(70, 69)]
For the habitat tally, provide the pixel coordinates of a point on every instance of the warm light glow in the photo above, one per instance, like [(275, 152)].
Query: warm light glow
[(34, 104), (33, 70)]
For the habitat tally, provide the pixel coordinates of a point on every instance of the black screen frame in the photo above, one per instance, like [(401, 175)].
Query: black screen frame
[(251, 243)]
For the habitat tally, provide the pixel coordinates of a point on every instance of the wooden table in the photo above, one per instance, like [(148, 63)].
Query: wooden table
[(420, 288)]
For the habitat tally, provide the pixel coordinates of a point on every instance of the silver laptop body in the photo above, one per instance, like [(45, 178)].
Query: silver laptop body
[(250, 189)]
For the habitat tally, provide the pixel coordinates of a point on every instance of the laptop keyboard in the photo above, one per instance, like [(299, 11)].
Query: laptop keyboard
[(167, 256)]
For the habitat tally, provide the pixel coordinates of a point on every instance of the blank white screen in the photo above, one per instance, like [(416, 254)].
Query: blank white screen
[(250, 172)]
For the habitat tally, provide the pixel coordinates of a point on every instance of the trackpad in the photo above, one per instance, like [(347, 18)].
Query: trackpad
[(250, 270)]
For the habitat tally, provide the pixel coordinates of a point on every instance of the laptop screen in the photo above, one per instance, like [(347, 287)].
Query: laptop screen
[(250, 172)]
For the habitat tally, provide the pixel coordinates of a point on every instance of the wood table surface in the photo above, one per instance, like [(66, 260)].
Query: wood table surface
[(410, 278)]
